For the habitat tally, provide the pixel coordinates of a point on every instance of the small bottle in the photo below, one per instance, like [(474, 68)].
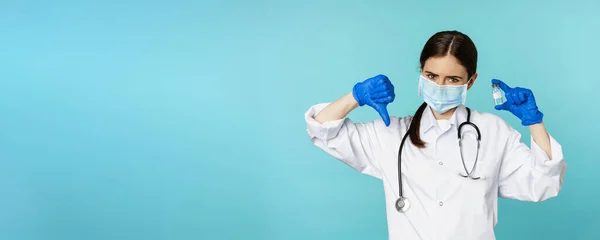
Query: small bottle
[(497, 93)]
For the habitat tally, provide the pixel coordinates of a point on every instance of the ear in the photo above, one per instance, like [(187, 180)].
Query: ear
[(473, 78)]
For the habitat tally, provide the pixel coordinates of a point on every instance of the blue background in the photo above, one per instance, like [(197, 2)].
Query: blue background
[(184, 119)]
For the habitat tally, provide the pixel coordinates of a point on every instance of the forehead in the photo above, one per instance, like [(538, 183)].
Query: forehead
[(445, 66)]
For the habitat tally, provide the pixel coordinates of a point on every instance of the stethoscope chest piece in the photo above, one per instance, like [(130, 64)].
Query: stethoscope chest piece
[(402, 204)]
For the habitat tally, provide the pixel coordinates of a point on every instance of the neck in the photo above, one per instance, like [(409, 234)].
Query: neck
[(444, 116)]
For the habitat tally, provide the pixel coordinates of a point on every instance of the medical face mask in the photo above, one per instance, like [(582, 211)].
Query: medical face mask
[(442, 98)]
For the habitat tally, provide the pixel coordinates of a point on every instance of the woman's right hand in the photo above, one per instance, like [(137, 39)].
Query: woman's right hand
[(376, 92)]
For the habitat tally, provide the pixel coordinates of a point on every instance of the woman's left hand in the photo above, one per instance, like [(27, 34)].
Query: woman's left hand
[(521, 103)]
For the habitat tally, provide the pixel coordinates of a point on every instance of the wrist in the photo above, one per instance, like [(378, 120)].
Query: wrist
[(536, 126), (350, 101)]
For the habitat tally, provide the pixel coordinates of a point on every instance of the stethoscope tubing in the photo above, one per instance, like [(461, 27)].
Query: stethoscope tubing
[(402, 203)]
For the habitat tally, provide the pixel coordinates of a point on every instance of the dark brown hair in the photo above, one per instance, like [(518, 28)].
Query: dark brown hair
[(442, 44)]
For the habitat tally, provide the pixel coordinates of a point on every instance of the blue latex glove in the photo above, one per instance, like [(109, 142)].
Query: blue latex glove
[(521, 103), (376, 92)]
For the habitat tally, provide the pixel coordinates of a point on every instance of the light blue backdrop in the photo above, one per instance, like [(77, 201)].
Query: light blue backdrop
[(184, 119)]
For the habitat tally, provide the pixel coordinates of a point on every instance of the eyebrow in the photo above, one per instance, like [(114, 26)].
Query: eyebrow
[(446, 76)]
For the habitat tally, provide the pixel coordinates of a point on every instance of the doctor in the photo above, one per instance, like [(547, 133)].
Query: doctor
[(447, 189)]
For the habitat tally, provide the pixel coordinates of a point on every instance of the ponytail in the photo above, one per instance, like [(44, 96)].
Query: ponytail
[(415, 125)]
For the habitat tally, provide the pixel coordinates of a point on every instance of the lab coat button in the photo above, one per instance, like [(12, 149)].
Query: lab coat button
[(441, 163), (441, 203)]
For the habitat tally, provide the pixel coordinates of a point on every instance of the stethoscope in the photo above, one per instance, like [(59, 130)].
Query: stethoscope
[(402, 204)]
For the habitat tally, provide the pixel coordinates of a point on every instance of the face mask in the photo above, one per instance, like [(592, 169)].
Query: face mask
[(442, 98)]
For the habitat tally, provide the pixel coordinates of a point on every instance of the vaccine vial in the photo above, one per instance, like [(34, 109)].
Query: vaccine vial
[(497, 93)]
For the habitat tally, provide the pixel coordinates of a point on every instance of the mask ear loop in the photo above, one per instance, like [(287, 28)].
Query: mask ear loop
[(464, 94), (420, 85)]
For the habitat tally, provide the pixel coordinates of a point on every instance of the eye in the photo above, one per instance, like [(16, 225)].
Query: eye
[(431, 76), (454, 80)]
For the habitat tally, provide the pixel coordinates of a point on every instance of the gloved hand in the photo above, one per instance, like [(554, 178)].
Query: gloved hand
[(376, 92), (521, 103)]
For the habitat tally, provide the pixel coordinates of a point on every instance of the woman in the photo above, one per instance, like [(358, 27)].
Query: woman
[(440, 196)]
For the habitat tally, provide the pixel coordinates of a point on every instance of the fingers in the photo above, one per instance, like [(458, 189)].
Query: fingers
[(518, 96), (382, 85), (384, 100), (379, 82), (382, 90), (386, 96), (502, 85), (382, 110), (379, 79), (380, 94), (514, 97), (522, 97)]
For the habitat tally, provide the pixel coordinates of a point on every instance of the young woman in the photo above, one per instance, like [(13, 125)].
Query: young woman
[(454, 162)]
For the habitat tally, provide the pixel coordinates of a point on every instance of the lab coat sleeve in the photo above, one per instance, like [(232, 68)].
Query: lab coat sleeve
[(355, 144), (528, 174)]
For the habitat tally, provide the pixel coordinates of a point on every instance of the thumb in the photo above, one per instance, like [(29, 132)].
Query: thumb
[(502, 85), (382, 110), (503, 106)]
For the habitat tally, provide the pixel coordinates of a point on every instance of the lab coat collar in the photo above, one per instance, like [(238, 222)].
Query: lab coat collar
[(429, 122)]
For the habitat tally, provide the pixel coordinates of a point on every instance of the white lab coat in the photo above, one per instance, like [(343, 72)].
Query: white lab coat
[(443, 204)]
